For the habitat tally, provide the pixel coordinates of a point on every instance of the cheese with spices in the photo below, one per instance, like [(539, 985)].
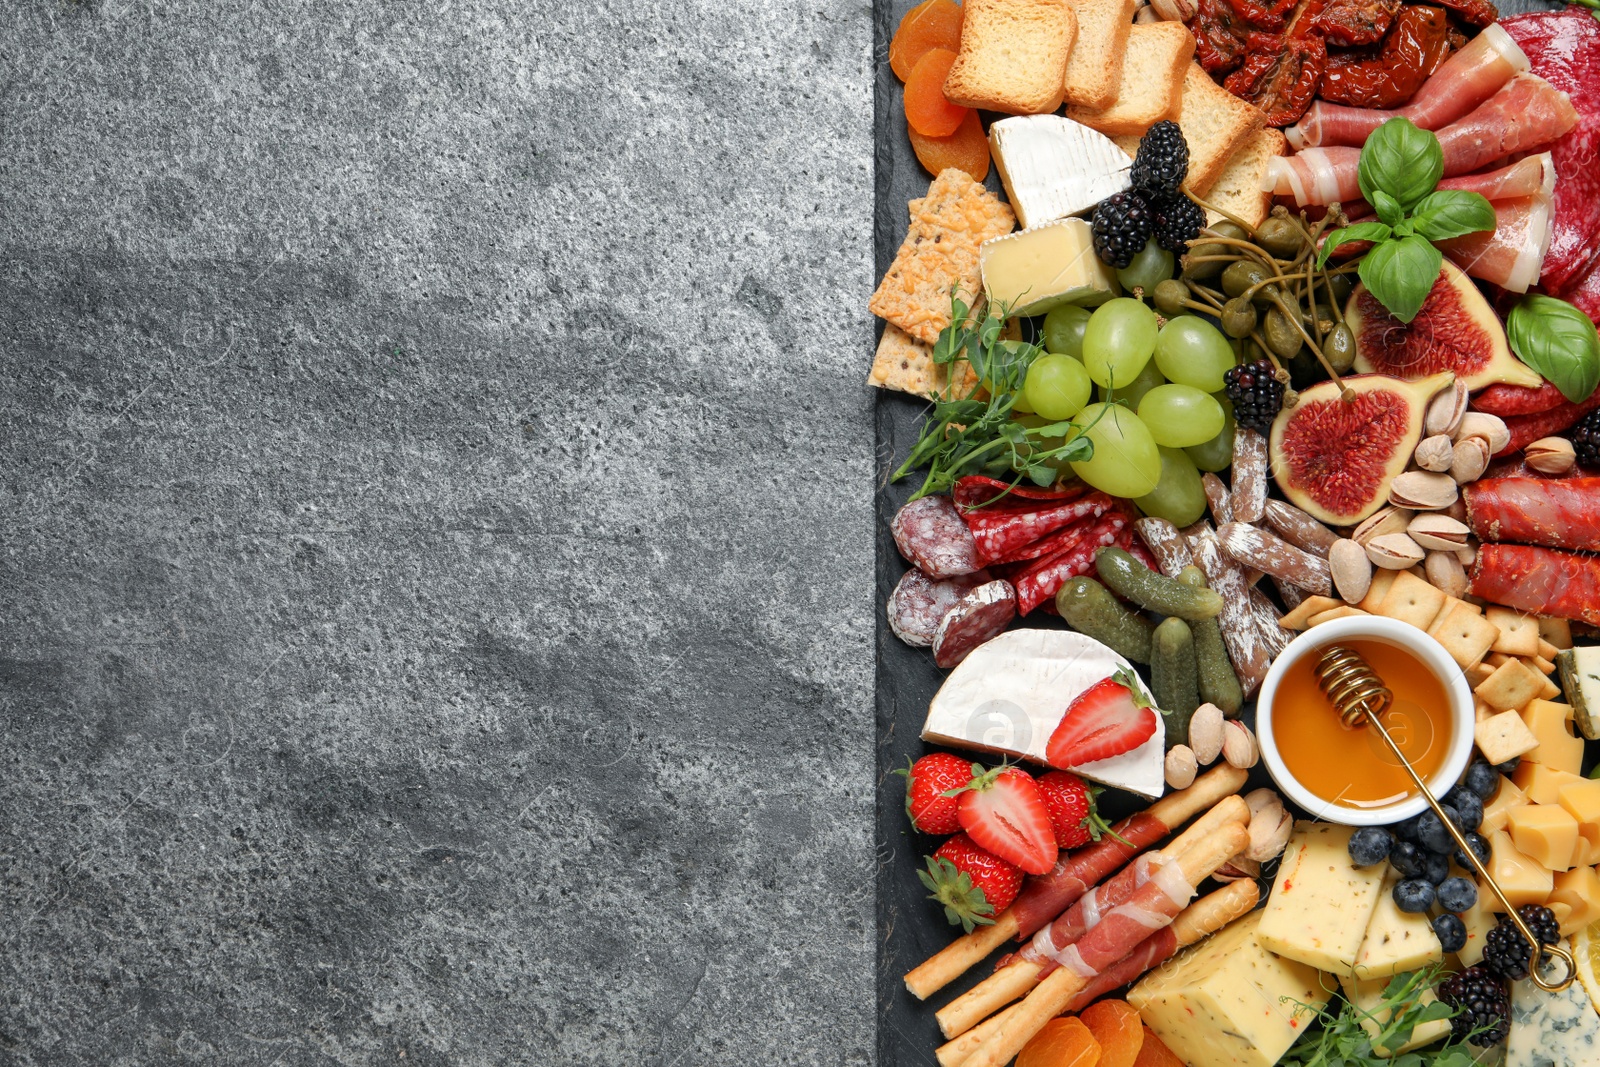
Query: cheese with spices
[(1321, 903), (1395, 941)]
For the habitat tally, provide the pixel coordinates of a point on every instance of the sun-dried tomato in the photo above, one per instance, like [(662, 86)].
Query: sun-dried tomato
[(1355, 22), (1268, 15), (1479, 13), (1280, 75), (1417, 44), (1219, 36)]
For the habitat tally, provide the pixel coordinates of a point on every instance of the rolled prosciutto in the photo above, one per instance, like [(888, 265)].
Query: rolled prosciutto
[(1046, 896), (1049, 945), (1512, 254)]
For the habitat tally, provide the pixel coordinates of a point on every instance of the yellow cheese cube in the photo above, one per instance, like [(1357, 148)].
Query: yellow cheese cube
[(1558, 748), (1581, 800), (1544, 832), (1228, 1002), (1587, 854), (1541, 783), (1395, 942), (1522, 879), (1368, 996), (1478, 921), (1321, 903), (1508, 796), (1579, 890)]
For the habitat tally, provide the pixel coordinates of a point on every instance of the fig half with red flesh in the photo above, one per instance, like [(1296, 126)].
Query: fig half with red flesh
[(1335, 458), (1456, 330)]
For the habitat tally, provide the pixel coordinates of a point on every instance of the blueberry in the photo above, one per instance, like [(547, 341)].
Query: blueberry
[(1406, 858), (1370, 845), (1482, 779), (1457, 894), (1431, 833), (1406, 830), (1480, 848), (1468, 806), (1509, 766), (1435, 868), (1451, 931), (1413, 895)]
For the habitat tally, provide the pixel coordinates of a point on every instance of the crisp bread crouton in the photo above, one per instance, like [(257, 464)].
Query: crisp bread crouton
[(1013, 56), (1151, 86)]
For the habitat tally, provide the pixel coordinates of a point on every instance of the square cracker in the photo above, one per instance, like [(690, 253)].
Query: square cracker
[(1504, 736), (1311, 605), (1381, 581), (1519, 633), (1512, 685), (1343, 611), (1464, 633), (1412, 600), (904, 364), (939, 255), (1557, 631)]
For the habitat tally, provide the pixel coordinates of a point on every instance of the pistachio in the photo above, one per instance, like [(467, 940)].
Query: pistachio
[(1445, 411), (1239, 745), (1394, 552), (1471, 458), (1205, 733), (1352, 570), (1434, 453), (1446, 574), (1146, 15), (1435, 531), (1181, 766), (1457, 511), (1270, 825), (1386, 520), (1423, 491), (1468, 554), (1491, 428), (1550, 455)]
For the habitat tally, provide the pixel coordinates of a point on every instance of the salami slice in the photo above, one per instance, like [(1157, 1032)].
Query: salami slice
[(1040, 580), (982, 613), (976, 491), (930, 534), (1012, 535), (1508, 400), (1526, 429), (1558, 512), (1540, 581), (919, 603)]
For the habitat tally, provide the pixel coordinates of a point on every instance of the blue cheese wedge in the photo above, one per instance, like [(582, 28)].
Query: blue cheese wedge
[(1580, 678), (1029, 273), (1321, 903), (1053, 167), (1008, 695), (1552, 1029)]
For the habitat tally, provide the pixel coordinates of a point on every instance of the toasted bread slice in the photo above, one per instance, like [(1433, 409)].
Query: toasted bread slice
[(1151, 86), (1013, 56), (1238, 189), (1094, 70), (1216, 124)]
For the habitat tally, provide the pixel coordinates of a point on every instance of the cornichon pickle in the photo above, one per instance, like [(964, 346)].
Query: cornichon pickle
[(1174, 677), (1219, 684), (1126, 576), (1090, 609)]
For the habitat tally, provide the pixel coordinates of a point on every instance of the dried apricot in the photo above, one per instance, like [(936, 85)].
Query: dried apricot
[(927, 110), (1063, 1042), (931, 24), (967, 149), (1155, 1053), (1118, 1028)]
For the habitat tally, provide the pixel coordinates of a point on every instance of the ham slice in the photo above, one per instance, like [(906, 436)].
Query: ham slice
[(1511, 254), (1462, 82), (1315, 176)]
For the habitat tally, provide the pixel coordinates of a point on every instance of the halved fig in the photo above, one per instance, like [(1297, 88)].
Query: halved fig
[(1335, 458), (1456, 330)]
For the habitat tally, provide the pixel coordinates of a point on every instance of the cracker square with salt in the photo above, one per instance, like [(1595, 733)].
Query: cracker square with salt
[(1519, 633), (1412, 600), (1464, 633), (1511, 685), (1504, 736)]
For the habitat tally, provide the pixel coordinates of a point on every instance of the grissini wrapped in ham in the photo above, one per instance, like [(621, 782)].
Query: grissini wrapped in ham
[(1048, 895), (1557, 512), (1541, 581), (1198, 921)]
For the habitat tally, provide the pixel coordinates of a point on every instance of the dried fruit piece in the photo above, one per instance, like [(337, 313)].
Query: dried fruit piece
[(1455, 330), (1115, 1024), (928, 111), (931, 24), (967, 149), (1280, 75), (1335, 459), (1154, 1052), (1063, 1042)]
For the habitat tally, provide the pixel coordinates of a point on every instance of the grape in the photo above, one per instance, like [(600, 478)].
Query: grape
[(1150, 267), (1118, 341), (1181, 415), (1179, 497), (1191, 351), (1217, 453), (1126, 461), (1134, 391), (1058, 387), (1063, 330), (1019, 400)]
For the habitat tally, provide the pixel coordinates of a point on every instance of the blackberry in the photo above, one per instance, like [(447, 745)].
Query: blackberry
[(1256, 394), (1585, 437), (1179, 220), (1484, 1002), (1122, 225), (1505, 950), (1162, 161)]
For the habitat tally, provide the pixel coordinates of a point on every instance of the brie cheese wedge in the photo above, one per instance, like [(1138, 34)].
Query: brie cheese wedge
[(1008, 695), (1053, 167)]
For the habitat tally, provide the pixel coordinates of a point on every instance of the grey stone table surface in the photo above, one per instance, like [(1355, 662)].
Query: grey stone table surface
[(435, 545)]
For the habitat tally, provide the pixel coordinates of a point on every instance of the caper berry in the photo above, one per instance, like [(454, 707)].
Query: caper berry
[(1280, 237), (1203, 248), (1339, 348), (1280, 334), (1242, 275), (1238, 317), (1170, 297), (1342, 286)]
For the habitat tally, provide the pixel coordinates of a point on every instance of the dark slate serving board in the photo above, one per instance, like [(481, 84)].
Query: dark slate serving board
[(910, 929)]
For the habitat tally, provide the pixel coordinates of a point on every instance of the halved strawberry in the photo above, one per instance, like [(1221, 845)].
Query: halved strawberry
[(930, 802), (1109, 718), (1002, 810), (1073, 816), (973, 884)]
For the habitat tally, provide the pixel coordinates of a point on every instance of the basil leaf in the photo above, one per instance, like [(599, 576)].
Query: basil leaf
[(1387, 207), (1401, 273), (1361, 231), (1400, 160), (1447, 213), (1558, 341)]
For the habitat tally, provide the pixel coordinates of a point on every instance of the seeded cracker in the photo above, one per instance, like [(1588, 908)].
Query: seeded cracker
[(906, 364), (940, 254)]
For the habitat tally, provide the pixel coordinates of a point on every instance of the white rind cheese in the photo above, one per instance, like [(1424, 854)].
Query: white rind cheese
[(1053, 167), (1552, 1029), (1037, 270), (1008, 695)]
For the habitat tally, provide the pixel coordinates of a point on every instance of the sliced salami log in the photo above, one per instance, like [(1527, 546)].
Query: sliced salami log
[(919, 603), (1167, 544), (1042, 578), (1541, 581), (1015, 535), (1508, 400), (1558, 512), (1525, 429), (976, 491), (981, 614), (930, 534)]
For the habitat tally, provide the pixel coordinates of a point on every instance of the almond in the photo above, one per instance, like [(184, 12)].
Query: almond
[(1205, 733), (1394, 552), (1435, 531), (1352, 570), (1435, 453), (1471, 459), (1446, 410), (1175, 10), (1182, 766), (1446, 574), (1386, 520), (1550, 455), (1239, 745), (1423, 491), (1492, 428)]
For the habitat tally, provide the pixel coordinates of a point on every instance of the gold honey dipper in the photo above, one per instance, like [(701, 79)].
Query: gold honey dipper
[(1360, 697)]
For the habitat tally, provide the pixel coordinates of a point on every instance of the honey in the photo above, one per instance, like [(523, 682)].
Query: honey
[(1352, 766)]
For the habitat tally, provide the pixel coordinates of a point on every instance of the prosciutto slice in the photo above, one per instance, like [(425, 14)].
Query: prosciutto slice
[(1462, 82), (1511, 254), (1535, 174), (1541, 581), (1049, 942), (1048, 895), (1315, 176), (1152, 907), (1585, 294)]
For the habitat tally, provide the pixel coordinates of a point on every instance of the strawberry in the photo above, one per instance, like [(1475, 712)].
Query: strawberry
[(974, 885), (1002, 811), (1070, 802), (1109, 718), (930, 805)]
